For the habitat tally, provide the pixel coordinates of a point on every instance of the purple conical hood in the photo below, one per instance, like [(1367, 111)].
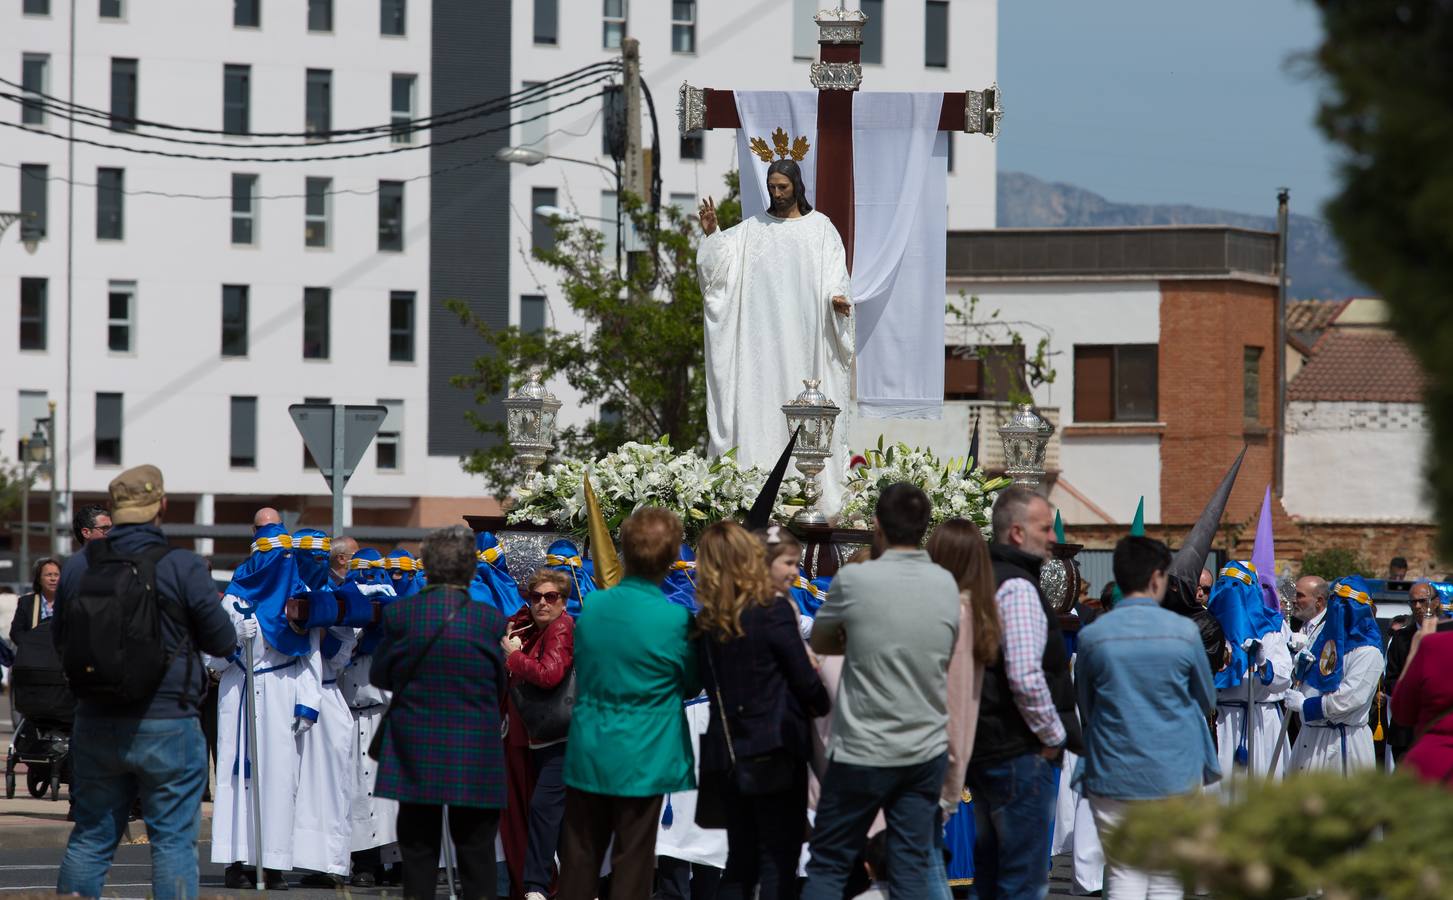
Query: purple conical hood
[(1263, 554)]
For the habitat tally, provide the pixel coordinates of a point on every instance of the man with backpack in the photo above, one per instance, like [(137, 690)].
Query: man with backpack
[(132, 615)]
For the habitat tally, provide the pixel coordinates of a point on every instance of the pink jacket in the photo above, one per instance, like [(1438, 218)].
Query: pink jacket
[(965, 682)]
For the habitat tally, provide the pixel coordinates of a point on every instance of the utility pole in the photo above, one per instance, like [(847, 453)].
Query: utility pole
[(1283, 197), (635, 180)]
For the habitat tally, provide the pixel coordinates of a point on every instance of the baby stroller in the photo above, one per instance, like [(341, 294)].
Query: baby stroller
[(47, 709)]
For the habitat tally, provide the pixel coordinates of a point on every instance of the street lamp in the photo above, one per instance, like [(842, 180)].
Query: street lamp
[(528, 156), (25, 475), (815, 414), (29, 239), (1026, 439), (530, 422)]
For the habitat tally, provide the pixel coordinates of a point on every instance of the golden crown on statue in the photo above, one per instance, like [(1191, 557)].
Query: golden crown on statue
[(797, 150)]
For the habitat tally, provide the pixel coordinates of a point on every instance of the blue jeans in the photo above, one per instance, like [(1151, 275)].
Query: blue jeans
[(851, 797), (163, 760), (1013, 805)]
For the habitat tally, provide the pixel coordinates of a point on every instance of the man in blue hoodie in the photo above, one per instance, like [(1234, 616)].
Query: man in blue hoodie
[(153, 747)]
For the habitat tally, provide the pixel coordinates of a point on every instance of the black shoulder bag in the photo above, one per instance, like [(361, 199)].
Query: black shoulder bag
[(375, 746)]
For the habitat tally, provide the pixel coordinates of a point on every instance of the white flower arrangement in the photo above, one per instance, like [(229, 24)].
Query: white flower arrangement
[(958, 489)]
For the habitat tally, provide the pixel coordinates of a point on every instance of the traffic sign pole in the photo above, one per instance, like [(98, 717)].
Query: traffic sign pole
[(338, 478), (337, 436)]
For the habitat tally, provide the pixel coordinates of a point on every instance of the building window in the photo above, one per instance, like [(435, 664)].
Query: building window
[(123, 95), (401, 107), (1116, 384), (110, 211), (320, 15), (950, 135), (392, 17), (108, 429), (34, 78), (308, 461), (685, 204), (243, 429), (534, 121), (121, 316), (389, 444), (111, 9), (532, 313), (33, 405), (247, 13), (319, 113), (34, 187), (1251, 385), (986, 372), (683, 26), (935, 34), (542, 230), (244, 208), (693, 145), (33, 302), (390, 215), (401, 326), (315, 211), (804, 29), (873, 31), (547, 21), (236, 99), (315, 322), (614, 17), (234, 320), (36, 7)]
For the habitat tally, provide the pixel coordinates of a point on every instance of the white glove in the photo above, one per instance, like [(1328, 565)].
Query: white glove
[(1295, 699), (247, 629), (1255, 651), (1296, 642), (302, 725)]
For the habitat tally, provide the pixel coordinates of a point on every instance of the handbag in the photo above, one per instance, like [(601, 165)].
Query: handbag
[(545, 711), (375, 746)]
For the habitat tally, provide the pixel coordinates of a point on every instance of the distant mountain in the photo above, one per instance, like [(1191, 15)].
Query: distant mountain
[(1314, 258)]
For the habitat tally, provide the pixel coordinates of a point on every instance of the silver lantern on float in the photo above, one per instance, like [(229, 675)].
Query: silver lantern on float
[(530, 412), (815, 414)]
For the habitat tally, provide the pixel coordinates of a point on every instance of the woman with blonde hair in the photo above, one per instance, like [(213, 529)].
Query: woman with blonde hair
[(763, 691)]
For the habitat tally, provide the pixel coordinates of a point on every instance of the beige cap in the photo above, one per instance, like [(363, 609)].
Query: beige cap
[(136, 495)]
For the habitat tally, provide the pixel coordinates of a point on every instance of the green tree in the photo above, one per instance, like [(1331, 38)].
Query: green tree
[(639, 354), (1335, 562), (1389, 104)]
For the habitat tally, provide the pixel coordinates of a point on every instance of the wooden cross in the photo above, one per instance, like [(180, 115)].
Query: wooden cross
[(836, 76)]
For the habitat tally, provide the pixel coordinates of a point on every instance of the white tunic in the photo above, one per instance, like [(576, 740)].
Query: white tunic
[(373, 820), (323, 834), (768, 285), (1320, 745), (1231, 714), (683, 838), (281, 684)]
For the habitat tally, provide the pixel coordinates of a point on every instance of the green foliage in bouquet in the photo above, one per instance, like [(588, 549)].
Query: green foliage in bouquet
[(958, 489), (1371, 835)]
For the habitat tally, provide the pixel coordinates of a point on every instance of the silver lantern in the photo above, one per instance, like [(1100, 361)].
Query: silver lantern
[(530, 412), (1026, 438), (815, 414)]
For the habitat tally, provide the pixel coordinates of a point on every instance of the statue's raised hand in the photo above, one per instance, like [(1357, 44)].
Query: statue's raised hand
[(707, 213)]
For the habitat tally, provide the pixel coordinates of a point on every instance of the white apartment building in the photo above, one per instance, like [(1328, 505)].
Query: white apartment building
[(173, 308)]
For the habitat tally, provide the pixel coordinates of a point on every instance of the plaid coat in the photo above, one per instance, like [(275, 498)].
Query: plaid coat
[(442, 741)]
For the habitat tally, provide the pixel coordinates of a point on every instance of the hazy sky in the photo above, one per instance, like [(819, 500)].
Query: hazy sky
[(1165, 101)]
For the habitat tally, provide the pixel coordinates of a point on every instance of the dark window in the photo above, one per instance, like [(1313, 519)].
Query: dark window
[(247, 13), (244, 208), (692, 146), (401, 108), (34, 69), (683, 26), (308, 461), (110, 208), (315, 323), (243, 453), (614, 18), (542, 230), (390, 215), (991, 372), (123, 95), (1251, 385), (319, 115), (36, 7), (387, 443), (108, 429), (320, 15), (547, 21), (935, 34), (234, 320), (34, 186), (950, 150), (315, 211), (873, 31), (401, 326), (110, 9), (532, 313), (33, 303), (1116, 384), (392, 17), (120, 316), (236, 99)]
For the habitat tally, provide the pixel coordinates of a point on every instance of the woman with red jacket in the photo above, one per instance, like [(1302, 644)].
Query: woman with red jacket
[(1423, 701), (539, 647)]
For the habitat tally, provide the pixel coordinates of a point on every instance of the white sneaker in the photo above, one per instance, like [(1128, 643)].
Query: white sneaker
[(536, 895)]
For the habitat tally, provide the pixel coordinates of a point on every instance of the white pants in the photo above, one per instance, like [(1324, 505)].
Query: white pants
[(1121, 881)]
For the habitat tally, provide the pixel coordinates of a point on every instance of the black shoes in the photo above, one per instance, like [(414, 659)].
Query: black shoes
[(238, 877), (274, 880), (362, 878)]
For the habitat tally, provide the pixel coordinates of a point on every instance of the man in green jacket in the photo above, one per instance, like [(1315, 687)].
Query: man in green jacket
[(629, 742)]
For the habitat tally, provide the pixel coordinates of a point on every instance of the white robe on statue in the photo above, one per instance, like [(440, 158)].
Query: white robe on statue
[(1231, 714), (323, 834), (767, 285), (1320, 745), (281, 684)]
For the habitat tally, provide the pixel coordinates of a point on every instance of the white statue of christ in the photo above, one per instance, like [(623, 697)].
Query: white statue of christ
[(778, 312)]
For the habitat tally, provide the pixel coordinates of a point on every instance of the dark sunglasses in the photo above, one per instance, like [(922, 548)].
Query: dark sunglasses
[(548, 596)]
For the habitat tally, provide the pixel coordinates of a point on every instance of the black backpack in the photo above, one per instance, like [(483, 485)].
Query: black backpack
[(114, 650)]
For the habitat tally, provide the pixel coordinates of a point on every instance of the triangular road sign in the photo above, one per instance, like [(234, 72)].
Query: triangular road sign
[(315, 423)]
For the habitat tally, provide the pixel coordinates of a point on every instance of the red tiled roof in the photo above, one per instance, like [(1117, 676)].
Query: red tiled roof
[(1371, 365), (1313, 315)]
